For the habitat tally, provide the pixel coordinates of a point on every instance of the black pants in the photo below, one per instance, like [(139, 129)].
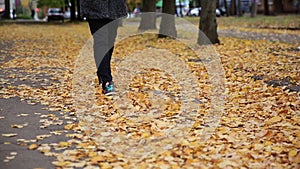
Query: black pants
[(104, 33)]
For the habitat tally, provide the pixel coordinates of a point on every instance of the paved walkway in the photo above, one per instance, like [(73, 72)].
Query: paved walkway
[(276, 37), (20, 122), (14, 150)]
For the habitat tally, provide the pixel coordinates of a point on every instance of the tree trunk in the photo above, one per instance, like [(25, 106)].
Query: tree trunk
[(78, 10), (240, 10), (7, 9), (226, 8), (66, 5), (233, 7), (253, 8), (208, 23), (148, 20), (72, 10), (266, 7), (167, 25), (278, 6)]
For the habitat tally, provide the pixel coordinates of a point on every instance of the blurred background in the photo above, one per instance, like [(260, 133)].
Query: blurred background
[(70, 9)]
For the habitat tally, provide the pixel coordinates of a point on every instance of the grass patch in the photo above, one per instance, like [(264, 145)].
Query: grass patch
[(24, 16)]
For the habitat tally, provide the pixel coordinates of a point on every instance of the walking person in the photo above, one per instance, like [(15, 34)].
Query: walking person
[(101, 16)]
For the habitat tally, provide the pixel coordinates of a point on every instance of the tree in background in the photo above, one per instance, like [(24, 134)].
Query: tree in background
[(278, 6), (73, 10), (226, 8), (67, 5), (167, 25), (253, 8), (148, 20), (233, 7), (266, 7), (78, 9), (240, 10), (7, 11), (208, 22), (75, 6)]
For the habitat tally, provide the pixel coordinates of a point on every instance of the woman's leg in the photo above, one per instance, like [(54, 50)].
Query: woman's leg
[(104, 33)]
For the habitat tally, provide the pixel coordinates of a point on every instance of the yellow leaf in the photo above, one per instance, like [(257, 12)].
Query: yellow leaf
[(184, 142), (33, 147), (267, 143), (239, 79), (65, 94), (98, 158), (292, 153), (69, 126), (106, 166), (10, 135), (258, 146), (74, 135), (92, 154), (277, 149), (61, 163), (63, 144), (196, 124), (17, 126), (227, 163), (273, 120), (145, 135), (80, 164)]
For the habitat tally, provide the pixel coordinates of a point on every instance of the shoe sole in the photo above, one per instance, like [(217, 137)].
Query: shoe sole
[(110, 94)]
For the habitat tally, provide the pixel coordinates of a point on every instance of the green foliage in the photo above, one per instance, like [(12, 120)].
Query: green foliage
[(51, 3), (24, 16)]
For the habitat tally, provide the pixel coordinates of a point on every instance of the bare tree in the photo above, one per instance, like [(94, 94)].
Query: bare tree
[(240, 10), (278, 6), (253, 8), (148, 20), (266, 7), (208, 22), (226, 8), (233, 7), (167, 25), (73, 10), (78, 10), (7, 9)]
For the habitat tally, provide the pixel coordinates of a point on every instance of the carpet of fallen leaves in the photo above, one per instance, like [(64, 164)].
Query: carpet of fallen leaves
[(259, 128)]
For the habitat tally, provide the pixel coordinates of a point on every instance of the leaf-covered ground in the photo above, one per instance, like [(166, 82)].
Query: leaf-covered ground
[(258, 129)]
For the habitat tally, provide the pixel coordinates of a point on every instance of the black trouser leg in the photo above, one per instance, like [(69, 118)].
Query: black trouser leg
[(104, 33)]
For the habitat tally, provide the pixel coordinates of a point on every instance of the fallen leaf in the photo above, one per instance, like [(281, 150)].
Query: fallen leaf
[(292, 153), (64, 144), (96, 159), (33, 147), (10, 135), (61, 163), (273, 120), (22, 115)]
